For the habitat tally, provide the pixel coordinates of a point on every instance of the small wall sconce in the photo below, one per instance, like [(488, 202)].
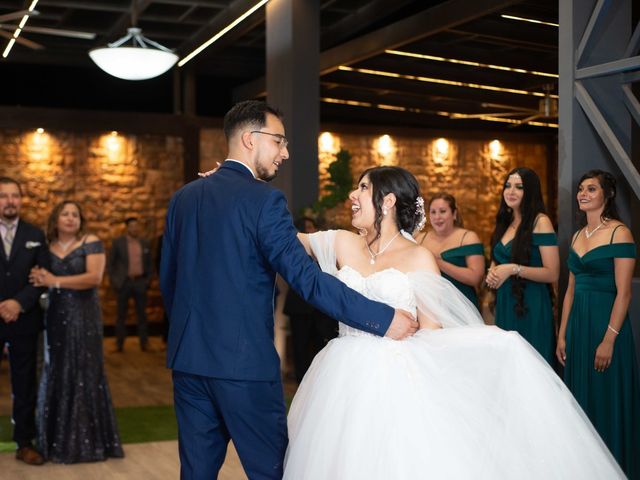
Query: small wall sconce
[(40, 138), (113, 142), (386, 149), (38, 145), (113, 145), (496, 149), (327, 143), (440, 151)]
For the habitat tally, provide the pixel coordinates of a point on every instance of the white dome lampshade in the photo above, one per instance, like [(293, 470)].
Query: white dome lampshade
[(142, 60)]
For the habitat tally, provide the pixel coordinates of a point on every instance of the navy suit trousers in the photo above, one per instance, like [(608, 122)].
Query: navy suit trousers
[(211, 410)]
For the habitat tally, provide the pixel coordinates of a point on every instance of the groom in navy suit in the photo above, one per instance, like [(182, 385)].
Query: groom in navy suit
[(226, 237)]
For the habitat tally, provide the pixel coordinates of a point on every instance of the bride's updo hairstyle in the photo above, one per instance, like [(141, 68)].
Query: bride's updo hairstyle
[(404, 186)]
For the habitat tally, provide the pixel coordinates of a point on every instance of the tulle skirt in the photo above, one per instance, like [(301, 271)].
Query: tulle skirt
[(459, 403)]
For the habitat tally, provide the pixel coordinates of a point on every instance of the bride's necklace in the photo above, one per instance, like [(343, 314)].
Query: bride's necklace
[(588, 233), (380, 251), (64, 246)]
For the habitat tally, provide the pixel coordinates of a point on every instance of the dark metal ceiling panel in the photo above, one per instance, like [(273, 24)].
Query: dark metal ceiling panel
[(353, 32)]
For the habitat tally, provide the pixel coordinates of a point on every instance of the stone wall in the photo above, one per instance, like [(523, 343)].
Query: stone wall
[(112, 175), (473, 170)]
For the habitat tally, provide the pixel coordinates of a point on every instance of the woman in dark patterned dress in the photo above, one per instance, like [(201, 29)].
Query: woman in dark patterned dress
[(75, 417)]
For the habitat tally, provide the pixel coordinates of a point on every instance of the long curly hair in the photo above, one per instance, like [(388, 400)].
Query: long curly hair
[(531, 206), (404, 186), (608, 184)]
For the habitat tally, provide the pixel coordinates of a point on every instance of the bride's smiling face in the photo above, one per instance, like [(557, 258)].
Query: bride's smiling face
[(363, 213)]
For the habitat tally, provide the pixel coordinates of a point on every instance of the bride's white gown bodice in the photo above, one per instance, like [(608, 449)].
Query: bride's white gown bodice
[(473, 402), (388, 286)]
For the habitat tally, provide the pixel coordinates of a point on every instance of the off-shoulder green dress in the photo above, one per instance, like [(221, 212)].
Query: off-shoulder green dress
[(611, 398), (458, 256), (536, 325)]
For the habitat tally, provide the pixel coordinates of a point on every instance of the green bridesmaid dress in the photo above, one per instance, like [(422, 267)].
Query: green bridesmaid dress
[(611, 398), (458, 256), (536, 325)]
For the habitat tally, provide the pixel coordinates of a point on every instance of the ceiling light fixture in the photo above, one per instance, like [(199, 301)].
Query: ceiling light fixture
[(222, 32), (452, 115), (141, 60), (442, 81), (530, 20), (470, 63), (16, 33)]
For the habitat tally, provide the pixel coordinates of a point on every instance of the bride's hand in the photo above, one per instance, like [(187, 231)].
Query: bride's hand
[(209, 172)]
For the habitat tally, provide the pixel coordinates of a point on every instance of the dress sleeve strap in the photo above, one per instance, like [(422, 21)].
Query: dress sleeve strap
[(575, 237), (613, 233), (463, 235)]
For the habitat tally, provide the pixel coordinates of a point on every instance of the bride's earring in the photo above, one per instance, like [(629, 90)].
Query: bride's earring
[(384, 210)]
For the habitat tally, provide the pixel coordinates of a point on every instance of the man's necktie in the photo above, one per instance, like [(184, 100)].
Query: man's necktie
[(7, 241)]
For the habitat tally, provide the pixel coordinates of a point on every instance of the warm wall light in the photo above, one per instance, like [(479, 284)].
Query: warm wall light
[(385, 145), (38, 145), (113, 141), (440, 150), (496, 149), (386, 149), (327, 143)]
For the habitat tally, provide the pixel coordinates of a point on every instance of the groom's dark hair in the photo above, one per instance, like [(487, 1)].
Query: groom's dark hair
[(250, 113)]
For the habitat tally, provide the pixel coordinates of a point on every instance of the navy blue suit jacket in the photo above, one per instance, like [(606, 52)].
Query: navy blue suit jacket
[(29, 249), (225, 238)]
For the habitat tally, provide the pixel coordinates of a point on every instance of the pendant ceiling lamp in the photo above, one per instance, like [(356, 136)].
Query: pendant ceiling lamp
[(134, 57)]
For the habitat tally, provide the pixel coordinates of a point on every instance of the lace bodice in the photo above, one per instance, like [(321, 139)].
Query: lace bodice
[(388, 286)]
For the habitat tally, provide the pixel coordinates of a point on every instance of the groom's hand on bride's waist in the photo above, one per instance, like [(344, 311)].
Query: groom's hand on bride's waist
[(403, 325)]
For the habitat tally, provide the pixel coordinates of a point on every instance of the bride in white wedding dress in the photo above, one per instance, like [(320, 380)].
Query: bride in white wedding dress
[(458, 400)]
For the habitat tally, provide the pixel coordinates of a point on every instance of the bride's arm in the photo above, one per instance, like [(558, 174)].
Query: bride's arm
[(304, 239), (425, 260)]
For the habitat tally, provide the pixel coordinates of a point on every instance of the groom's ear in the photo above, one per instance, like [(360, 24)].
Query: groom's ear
[(247, 140)]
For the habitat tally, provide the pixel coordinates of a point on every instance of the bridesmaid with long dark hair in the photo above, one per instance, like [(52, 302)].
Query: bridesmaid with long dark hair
[(458, 251), (525, 262), (595, 342)]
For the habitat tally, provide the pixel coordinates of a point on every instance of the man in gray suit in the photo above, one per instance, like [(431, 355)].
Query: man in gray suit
[(129, 270)]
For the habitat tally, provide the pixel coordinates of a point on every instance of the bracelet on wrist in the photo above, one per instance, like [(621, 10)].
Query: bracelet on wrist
[(612, 329), (516, 270), (57, 285)]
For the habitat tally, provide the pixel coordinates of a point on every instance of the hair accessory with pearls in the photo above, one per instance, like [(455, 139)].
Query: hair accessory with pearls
[(422, 218)]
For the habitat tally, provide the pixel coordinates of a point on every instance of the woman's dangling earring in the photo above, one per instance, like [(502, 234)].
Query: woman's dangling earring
[(384, 210)]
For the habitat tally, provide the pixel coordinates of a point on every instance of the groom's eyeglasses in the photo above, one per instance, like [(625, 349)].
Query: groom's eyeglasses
[(281, 140)]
